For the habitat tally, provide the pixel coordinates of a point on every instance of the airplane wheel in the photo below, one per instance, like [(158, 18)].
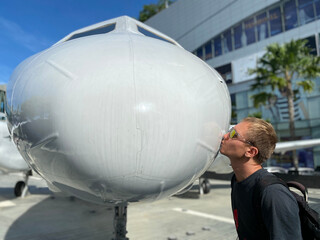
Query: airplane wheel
[(205, 186), (19, 188)]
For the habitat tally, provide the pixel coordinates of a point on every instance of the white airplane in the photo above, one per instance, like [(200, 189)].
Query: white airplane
[(117, 113), (283, 147), (11, 160)]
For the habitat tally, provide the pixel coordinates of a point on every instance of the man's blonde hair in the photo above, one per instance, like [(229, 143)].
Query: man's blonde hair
[(263, 137)]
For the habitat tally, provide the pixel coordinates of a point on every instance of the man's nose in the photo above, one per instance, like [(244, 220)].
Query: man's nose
[(226, 136)]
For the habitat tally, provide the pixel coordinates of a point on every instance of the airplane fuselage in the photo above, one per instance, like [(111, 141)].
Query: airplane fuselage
[(117, 117)]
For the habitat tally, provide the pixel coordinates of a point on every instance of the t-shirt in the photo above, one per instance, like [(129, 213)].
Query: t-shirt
[(279, 210)]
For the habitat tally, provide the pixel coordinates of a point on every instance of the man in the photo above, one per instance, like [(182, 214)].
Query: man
[(248, 145)]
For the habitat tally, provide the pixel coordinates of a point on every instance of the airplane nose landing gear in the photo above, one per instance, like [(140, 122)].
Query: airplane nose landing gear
[(204, 185), (120, 222), (18, 189), (21, 187)]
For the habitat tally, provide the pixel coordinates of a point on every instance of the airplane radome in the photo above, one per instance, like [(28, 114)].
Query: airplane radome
[(117, 112)]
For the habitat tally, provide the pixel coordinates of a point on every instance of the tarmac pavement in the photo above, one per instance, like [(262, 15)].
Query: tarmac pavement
[(44, 216)]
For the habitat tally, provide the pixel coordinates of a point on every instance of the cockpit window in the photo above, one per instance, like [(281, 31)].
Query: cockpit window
[(100, 30), (150, 34)]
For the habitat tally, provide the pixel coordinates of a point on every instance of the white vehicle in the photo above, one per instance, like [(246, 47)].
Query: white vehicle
[(275, 169), (117, 113), (11, 160), (302, 170)]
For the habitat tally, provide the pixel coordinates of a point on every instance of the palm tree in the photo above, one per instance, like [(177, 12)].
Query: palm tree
[(277, 68), (152, 9)]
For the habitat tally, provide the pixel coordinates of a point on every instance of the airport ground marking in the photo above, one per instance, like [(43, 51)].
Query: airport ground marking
[(204, 215), (7, 203), (313, 192)]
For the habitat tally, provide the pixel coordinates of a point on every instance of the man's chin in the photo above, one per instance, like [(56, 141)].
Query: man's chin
[(221, 150)]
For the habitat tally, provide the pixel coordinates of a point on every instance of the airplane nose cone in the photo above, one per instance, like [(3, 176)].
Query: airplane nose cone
[(118, 117)]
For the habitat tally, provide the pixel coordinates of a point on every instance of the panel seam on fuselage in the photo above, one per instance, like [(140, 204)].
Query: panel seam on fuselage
[(139, 131)]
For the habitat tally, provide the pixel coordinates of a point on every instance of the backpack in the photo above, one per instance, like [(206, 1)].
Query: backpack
[(309, 218)]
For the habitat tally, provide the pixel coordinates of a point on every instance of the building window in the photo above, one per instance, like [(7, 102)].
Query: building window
[(306, 12), (290, 15), (233, 109), (262, 26), (313, 108), (317, 5), (227, 41), (319, 43), (312, 45), (217, 46), (225, 72), (242, 104), (238, 36), (200, 52), (275, 21), (208, 50), (249, 30)]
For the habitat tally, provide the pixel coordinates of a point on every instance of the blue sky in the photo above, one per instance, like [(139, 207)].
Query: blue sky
[(30, 26)]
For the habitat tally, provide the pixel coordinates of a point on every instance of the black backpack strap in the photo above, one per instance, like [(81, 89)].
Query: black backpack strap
[(233, 178), (300, 187), (257, 197)]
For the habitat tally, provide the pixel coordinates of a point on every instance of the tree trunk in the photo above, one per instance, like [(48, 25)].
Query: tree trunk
[(290, 97)]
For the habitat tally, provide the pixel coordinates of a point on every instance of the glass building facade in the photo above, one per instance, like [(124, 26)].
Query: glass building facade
[(276, 19)]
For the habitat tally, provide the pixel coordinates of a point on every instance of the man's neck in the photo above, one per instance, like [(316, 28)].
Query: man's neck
[(244, 169)]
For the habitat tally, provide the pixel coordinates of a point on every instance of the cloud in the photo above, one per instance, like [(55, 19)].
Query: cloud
[(26, 39)]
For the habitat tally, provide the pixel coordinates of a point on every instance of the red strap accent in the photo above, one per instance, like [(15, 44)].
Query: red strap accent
[(235, 216)]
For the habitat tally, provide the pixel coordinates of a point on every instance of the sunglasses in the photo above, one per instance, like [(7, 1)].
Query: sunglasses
[(233, 134)]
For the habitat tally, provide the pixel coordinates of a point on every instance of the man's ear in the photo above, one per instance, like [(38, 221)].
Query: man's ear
[(252, 152)]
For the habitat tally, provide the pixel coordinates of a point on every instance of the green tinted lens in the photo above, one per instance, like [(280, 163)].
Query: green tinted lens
[(232, 133)]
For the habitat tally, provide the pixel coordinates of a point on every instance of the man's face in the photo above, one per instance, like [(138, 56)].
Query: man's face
[(237, 146)]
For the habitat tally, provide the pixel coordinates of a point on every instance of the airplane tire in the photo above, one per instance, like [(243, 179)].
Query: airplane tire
[(205, 186), (19, 188)]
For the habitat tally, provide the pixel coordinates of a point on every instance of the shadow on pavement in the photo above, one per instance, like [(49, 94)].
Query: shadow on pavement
[(62, 218)]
